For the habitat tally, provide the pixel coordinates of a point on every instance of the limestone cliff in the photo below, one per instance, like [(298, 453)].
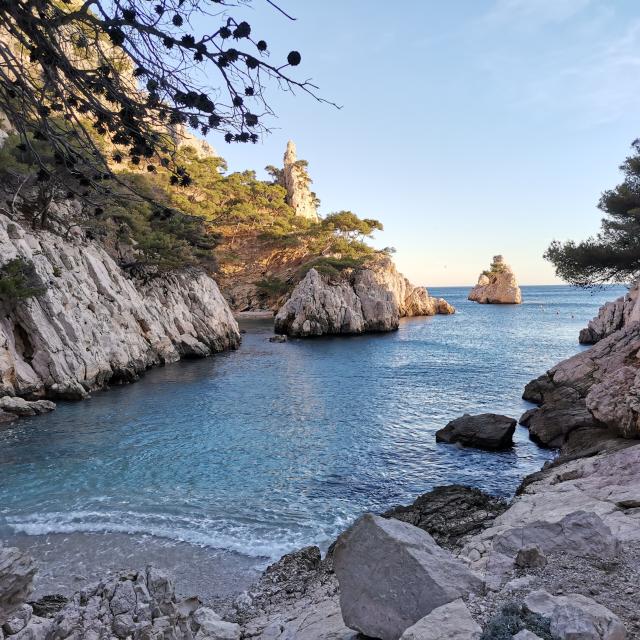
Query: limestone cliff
[(497, 285), (296, 181), (92, 325), (613, 316), (372, 298)]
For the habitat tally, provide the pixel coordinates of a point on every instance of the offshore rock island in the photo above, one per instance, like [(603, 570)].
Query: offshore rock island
[(497, 285)]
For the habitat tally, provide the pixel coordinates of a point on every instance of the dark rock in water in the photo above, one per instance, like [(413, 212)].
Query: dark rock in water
[(278, 338), (451, 513), (526, 416), (6, 417), (48, 606), (485, 431)]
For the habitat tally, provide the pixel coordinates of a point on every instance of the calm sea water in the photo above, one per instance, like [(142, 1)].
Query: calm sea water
[(279, 445)]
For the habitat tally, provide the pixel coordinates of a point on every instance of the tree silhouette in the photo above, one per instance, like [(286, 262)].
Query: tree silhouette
[(103, 80), (614, 254)]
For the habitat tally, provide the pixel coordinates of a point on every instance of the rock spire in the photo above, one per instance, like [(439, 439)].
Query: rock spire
[(296, 182), (497, 285)]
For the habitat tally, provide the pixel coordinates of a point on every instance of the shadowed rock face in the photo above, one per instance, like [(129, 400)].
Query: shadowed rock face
[(596, 389), (93, 324), (497, 286), (368, 299), (485, 431)]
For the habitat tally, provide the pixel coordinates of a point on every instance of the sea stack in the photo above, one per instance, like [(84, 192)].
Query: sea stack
[(497, 285)]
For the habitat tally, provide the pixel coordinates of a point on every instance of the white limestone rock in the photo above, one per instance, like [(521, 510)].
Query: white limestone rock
[(18, 621), (213, 627), (296, 181), (22, 407), (452, 621), (368, 299), (93, 324), (562, 510), (497, 285), (576, 617), (392, 574)]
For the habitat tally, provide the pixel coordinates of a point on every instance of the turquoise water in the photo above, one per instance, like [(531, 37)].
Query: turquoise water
[(275, 446)]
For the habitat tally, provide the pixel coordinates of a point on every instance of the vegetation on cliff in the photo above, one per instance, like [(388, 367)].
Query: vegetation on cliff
[(613, 255)]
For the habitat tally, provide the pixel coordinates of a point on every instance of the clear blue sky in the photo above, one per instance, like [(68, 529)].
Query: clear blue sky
[(468, 127)]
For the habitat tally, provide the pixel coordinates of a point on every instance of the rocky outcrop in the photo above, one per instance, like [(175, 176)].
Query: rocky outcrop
[(498, 285), (489, 431), (583, 508), (17, 571), (368, 299), (392, 574), (450, 514), (93, 325), (138, 604), (594, 390), (612, 317), (576, 616), (296, 181)]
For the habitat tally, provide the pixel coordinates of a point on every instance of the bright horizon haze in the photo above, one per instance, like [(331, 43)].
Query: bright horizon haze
[(468, 128)]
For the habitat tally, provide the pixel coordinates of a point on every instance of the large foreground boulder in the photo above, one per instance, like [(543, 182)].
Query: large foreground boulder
[(17, 571), (485, 431), (392, 574), (576, 617), (372, 298), (497, 285)]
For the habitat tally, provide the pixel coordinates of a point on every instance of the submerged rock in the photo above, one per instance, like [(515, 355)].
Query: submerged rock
[(93, 325), (450, 513), (367, 299), (484, 431), (392, 574), (498, 285)]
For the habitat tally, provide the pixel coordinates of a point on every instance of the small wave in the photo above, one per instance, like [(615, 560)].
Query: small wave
[(248, 540)]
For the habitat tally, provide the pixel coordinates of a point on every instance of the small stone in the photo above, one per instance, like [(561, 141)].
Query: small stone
[(531, 558), (278, 338)]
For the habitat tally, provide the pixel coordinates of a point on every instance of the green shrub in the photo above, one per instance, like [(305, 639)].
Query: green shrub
[(512, 619), (19, 281), (273, 286)]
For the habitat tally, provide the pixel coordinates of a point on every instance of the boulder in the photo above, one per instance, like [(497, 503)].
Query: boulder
[(576, 617), (525, 634), (530, 558), (36, 629), (452, 621), (212, 627), (278, 338), (371, 298), (6, 417), (484, 431), (17, 571), (392, 574), (450, 513), (22, 407), (497, 285)]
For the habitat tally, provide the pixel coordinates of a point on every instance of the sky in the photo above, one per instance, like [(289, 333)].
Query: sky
[(468, 128)]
